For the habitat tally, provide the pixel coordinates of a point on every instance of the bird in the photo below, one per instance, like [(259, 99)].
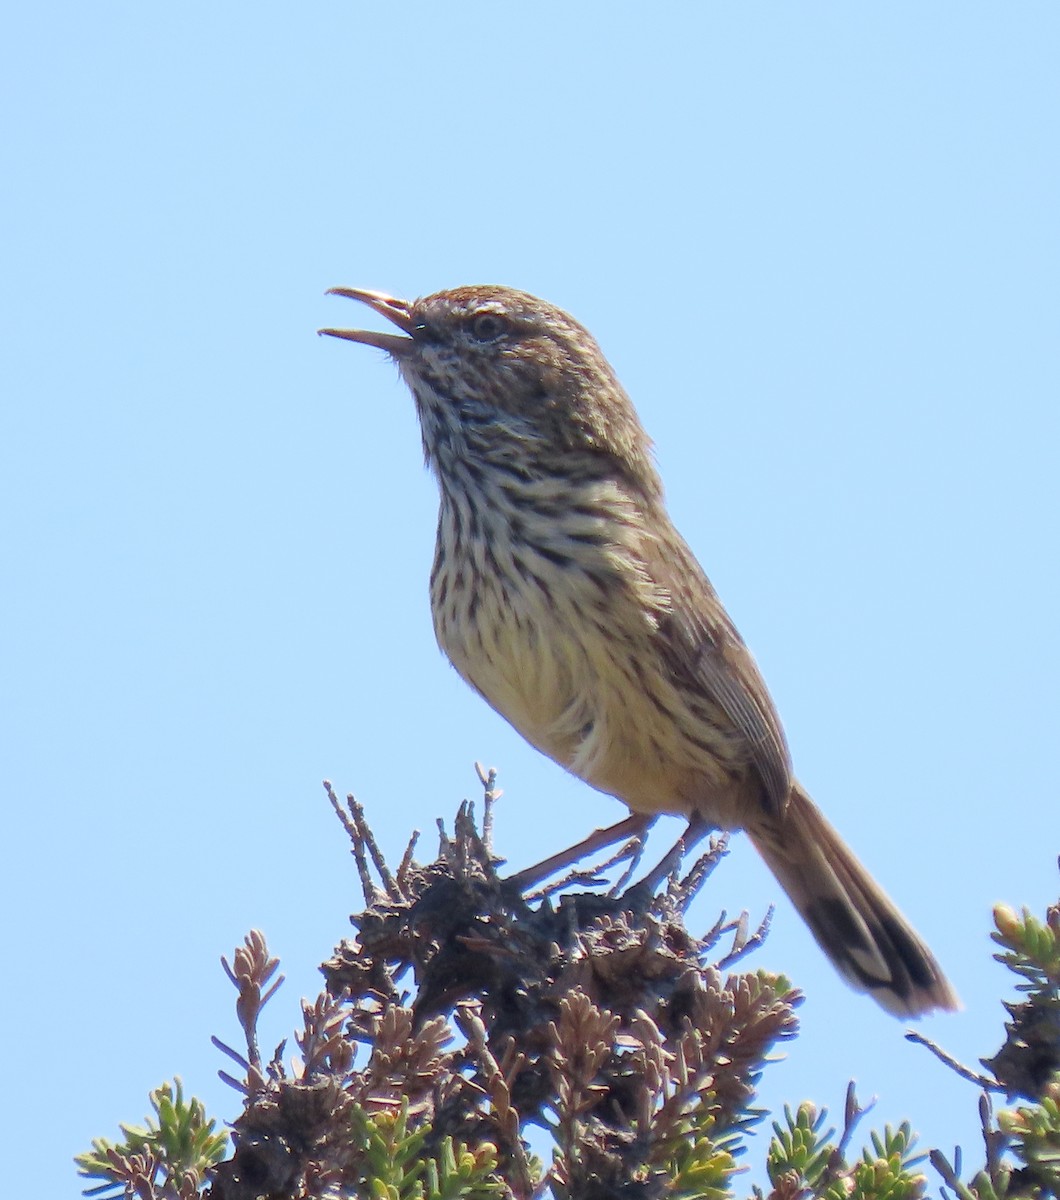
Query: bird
[(563, 594)]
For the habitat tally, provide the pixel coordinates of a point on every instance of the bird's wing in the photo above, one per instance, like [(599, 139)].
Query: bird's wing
[(705, 651)]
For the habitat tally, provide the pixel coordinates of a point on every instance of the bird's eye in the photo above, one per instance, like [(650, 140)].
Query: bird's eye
[(488, 327)]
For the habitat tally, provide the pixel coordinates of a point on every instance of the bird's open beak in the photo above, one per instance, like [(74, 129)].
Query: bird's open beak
[(393, 309)]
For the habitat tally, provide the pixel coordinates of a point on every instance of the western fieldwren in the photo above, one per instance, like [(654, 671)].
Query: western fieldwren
[(563, 594)]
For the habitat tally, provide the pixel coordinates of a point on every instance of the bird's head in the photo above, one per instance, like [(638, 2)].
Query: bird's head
[(501, 375)]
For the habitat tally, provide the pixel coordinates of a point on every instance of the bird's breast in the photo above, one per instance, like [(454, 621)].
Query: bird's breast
[(553, 626)]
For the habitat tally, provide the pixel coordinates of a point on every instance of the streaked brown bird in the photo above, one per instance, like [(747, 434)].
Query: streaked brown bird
[(563, 594)]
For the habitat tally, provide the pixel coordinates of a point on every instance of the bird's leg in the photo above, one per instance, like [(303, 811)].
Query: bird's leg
[(634, 826), (697, 830)]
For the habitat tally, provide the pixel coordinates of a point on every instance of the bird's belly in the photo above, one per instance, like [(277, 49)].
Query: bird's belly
[(535, 677), (584, 690)]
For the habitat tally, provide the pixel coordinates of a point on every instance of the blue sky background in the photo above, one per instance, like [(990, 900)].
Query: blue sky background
[(820, 244)]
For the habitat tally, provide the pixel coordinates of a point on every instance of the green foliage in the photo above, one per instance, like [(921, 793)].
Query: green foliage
[(701, 1167), (1029, 1062), (1030, 948), (804, 1159), (396, 1167), (167, 1157), (1023, 1143), (886, 1172), (800, 1148), (1035, 1134)]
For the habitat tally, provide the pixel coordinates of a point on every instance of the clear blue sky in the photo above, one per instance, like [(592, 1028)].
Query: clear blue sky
[(820, 244)]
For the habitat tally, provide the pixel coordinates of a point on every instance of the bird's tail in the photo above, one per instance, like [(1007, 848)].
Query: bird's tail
[(871, 944)]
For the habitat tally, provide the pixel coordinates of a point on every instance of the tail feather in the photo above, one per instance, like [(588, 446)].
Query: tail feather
[(855, 923)]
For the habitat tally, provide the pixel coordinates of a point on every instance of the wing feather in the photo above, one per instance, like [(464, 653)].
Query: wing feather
[(706, 653)]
